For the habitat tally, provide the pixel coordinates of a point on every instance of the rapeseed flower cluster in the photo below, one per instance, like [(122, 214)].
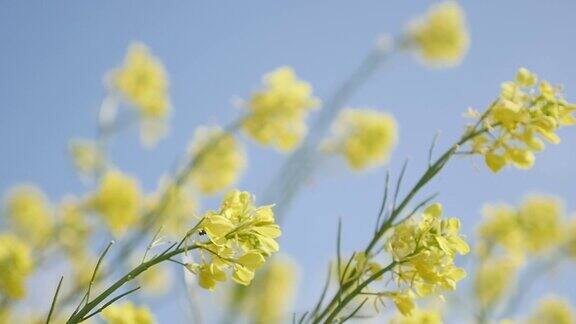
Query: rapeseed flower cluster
[(534, 228), (441, 37), (493, 279), (221, 160), (87, 157), (127, 313), (275, 296), (277, 113), (525, 113), (240, 237), (29, 214), (419, 316), (73, 228), (179, 207), (553, 310), (143, 83), (425, 252), (16, 265), (118, 201), (364, 137)]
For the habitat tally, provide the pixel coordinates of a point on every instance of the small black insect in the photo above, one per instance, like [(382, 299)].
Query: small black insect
[(202, 232)]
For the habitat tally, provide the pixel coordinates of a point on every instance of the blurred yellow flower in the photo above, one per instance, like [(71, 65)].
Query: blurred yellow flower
[(142, 82), (221, 160), (419, 316), (29, 214), (500, 227), (276, 293), (15, 266), (441, 37), (127, 313), (425, 252), (86, 157), (493, 279), (73, 229), (277, 113), (541, 222), (524, 114), (533, 228), (155, 281), (118, 201), (179, 211), (553, 310), (365, 137)]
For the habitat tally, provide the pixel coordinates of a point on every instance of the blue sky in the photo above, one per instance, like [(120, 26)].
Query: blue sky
[(54, 55)]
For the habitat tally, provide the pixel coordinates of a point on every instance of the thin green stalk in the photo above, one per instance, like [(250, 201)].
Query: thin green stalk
[(85, 310), (54, 299), (340, 305), (428, 175)]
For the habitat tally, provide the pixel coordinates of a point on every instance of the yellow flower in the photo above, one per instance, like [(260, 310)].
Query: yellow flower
[(533, 228), (524, 115), (142, 82), (127, 313), (501, 227), (541, 222), (553, 310), (239, 236), (221, 160), (155, 280), (15, 266), (277, 114), (404, 302), (570, 235), (29, 213), (441, 37), (493, 279), (86, 157), (419, 316), (73, 230), (118, 201), (425, 252), (273, 299), (364, 137), (179, 209)]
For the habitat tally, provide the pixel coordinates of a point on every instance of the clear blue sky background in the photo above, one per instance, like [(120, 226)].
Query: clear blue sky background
[(55, 53)]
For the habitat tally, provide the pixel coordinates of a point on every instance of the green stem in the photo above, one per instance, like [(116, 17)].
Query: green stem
[(90, 305), (428, 175), (341, 304)]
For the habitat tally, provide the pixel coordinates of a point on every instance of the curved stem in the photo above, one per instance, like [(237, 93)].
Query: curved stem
[(90, 305)]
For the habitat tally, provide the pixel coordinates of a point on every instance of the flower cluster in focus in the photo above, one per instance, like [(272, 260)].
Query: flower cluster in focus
[(425, 252), (240, 237), (525, 113)]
